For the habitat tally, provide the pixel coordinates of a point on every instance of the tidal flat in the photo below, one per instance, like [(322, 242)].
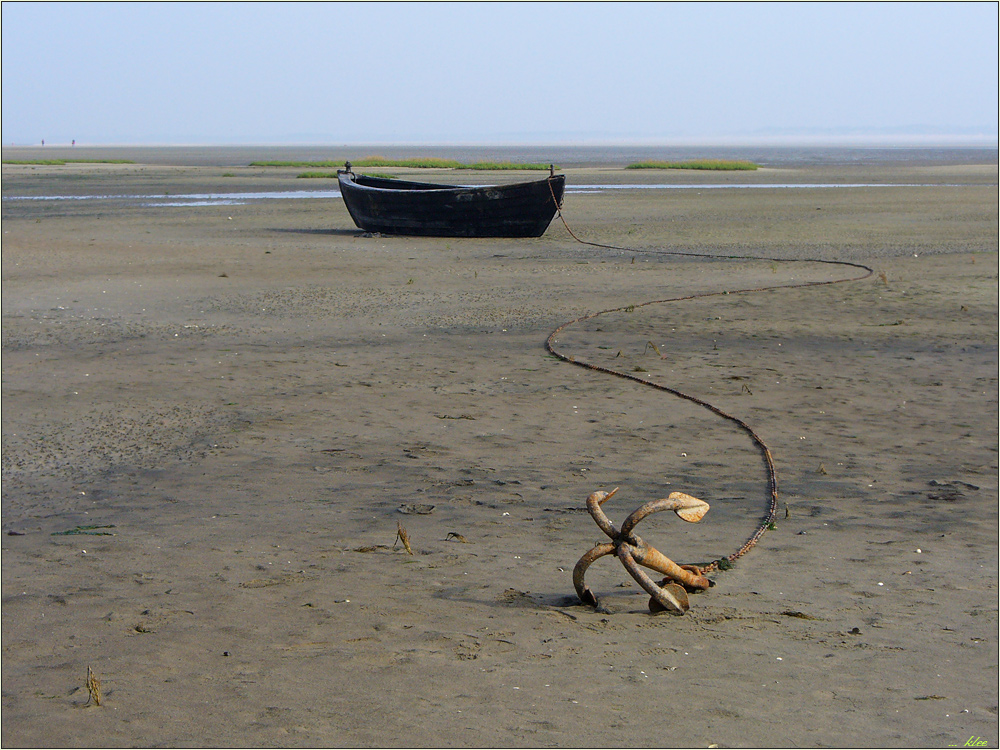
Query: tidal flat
[(217, 417)]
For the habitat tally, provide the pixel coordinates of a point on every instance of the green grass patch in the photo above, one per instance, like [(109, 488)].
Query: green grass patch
[(333, 175), (493, 166), (93, 530), (370, 161), (710, 164), (37, 162), (381, 161), (428, 163), (61, 162)]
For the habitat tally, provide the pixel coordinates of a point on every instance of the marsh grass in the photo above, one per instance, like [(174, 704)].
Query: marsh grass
[(710, 164), (381, 161), (92, 530), (369, 161), (61, 162), (381, 175), (494, 166), (425, 163)]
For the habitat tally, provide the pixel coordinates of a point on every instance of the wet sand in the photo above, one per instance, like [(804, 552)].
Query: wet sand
[(215, 417)]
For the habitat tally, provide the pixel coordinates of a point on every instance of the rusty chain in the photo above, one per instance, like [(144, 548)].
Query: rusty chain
[(772, 477)]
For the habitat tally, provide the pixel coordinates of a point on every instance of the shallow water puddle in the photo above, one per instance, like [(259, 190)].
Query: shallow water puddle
[(237, 199), (190, 199), (729, 186)]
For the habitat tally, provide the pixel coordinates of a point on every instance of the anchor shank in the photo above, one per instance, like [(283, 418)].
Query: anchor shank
[(653, 559), (674, 601)]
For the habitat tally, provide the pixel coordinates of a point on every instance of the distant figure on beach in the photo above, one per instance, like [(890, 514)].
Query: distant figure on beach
[(43, 141), (74, 142)]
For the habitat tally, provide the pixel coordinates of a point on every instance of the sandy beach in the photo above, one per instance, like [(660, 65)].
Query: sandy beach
[(216, 418)]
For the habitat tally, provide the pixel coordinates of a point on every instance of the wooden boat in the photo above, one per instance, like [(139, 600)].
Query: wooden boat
[(392, 206)]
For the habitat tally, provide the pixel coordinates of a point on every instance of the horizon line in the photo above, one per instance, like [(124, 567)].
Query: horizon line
[(983, 140)]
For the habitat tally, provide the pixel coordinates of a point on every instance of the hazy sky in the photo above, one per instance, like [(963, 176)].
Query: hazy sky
[(151, 73)]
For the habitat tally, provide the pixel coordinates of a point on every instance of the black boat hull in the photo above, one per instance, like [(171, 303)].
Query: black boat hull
[(423, 209)]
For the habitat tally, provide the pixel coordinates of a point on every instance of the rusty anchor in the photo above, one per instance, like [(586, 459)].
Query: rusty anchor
[(671, 594)]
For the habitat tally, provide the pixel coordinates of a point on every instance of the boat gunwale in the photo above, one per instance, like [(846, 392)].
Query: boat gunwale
[(352, 179)]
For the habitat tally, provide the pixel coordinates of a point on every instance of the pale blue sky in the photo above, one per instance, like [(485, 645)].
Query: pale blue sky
[(151, 73)]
